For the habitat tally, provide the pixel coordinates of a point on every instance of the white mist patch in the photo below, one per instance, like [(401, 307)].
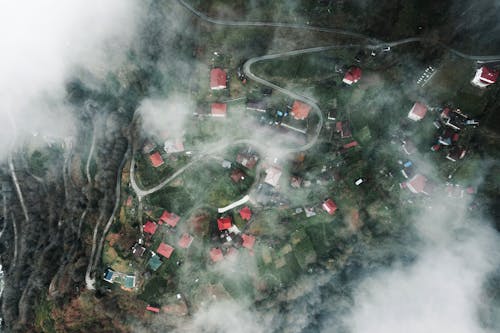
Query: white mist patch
[(166, 116), (42, 43), (441, 291)]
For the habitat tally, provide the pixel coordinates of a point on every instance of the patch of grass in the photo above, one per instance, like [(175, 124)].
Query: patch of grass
[(43, 316)]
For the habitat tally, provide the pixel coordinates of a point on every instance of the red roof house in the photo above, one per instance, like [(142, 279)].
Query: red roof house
[(350, 144), (485, 76), (417, 112), (352, 75), (185, 241), (218, 79), (216, 254), (300, 110), (219, 109), (246, 213), (417, 184), (153, 309), (156, 159), (224, 223), (329, 206), (248, 241), (165, 250), (169, 218), (150, 227)]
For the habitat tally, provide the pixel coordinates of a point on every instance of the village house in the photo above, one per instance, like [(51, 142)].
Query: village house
[(224, 223), (247, 158), (329, 206), (216, 254), (418, 184), (454, 119), (154, 262), (174, 146), (296, 182), (273, 175), (148, 147), (456, 153), (257, 106), (352, 75), (156, 159), (237, 175), (248, 241), (218, 79), (300, 110), (417, 112), (408, 147), (150, 227), (219, 110), (185, 241), (138, 250), (165, 250), (169, 218), (152, 309), (485, 76), (350, 144), (246, 213)]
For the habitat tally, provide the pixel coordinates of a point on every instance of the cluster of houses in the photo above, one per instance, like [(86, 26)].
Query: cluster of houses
[(157, 157), (218, 81), (451, 124)]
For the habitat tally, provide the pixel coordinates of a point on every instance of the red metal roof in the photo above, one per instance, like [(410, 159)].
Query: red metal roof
[(216, 254), (153, 309), (224, 223), (300, 110), (150, 227), (352, 75), (489, 75), (165, 250), (156, 159), (185, 241), (351, 144), (217, 78), (248, 241), (246, 213), (419, 110), (169, 218), (329, 206), (219, 109), (417, 183)]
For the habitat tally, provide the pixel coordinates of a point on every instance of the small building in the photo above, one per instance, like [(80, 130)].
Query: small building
[(150, 227), (246, 213), (456, 153), (165, 250), (237, 175), (216, 254), (156, 159), (224, 223), (219, 110), (485, 76), (257, 106), (344, 129), (417, 184), (417, 112), (409, 147), (148, 147), (185, 241), (455, 119), (154, 262), (138, 250), (247, 159), (174, 146), (108, 275), (300, 110), (352, 75), (273, 175), (296, 182), (248, 241), (351, 144), (169, 218), (152, 309), (329, 206), (218, 79)]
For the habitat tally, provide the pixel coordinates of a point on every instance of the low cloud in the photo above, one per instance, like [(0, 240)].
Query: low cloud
[(43, 43), (442, 290)]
